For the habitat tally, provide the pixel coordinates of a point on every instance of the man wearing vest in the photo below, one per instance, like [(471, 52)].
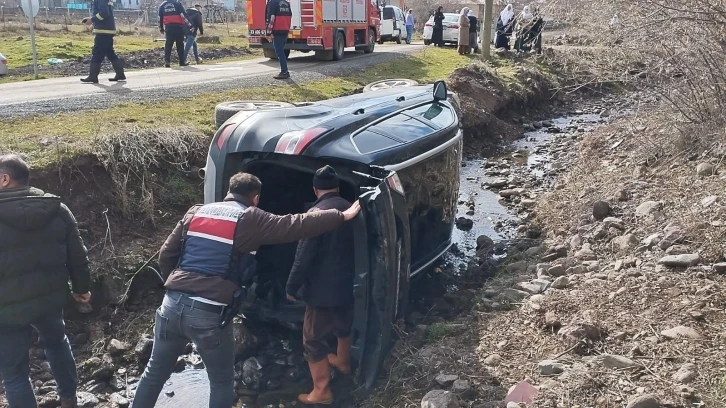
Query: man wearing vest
[(40, 251), (322, 276), (279, 18), (173, 23), (104, 29), (209, 259)]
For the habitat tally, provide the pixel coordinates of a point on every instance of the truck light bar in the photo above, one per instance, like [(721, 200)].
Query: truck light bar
[(296, 141), (255, 40)]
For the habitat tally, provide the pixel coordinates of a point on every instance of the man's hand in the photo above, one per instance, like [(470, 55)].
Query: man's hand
[(84, 298), (161, 30), (87, 21), (351, 212), (291, 298)]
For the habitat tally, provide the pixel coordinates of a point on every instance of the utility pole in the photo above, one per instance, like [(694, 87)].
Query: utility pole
[(486, 30)]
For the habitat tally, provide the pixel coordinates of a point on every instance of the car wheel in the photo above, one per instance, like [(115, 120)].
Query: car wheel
[(269, 53), (226, 110), (398, 39), (371, 41), (339, 46), (427, 42), (388, 84)]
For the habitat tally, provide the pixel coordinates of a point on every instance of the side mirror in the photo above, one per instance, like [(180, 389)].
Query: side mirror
[(440, 91)]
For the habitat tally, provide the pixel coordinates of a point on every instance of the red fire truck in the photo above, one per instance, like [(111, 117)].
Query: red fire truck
[(327, 27)]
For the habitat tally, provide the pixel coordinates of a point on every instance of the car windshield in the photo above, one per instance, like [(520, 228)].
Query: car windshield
[(451, 18)]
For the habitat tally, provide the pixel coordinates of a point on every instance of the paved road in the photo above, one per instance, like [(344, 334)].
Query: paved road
[(56, 95)]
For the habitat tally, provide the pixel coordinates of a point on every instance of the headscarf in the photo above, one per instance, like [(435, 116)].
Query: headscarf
[(471, 14), (465, 11), (526, 13), (507, 14)]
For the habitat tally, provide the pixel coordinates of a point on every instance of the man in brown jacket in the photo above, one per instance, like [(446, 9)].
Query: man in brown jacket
[(209, 257)]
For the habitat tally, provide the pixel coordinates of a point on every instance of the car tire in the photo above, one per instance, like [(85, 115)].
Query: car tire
[(269, 53), (371, 41), (226, 110), (339, 46), (398, 39), (389, 83), (427, 42)]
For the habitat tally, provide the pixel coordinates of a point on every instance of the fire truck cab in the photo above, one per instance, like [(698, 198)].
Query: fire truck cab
[(326, 27)]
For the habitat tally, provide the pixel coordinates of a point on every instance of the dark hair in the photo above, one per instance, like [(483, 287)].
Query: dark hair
[(197, 6), (14, 166), (245, 184)]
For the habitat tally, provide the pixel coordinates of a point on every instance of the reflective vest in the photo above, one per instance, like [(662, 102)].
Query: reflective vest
[(283, 16), (209, 244), (172, 13)]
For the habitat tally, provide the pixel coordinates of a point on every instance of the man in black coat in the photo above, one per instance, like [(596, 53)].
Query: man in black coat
[(197, 25), (322, 276)]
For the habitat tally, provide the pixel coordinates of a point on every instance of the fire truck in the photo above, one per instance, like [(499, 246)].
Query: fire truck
[(326, 27)]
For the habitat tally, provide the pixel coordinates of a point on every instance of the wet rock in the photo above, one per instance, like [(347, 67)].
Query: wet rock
[(244, 341), (626, 242), (720, 267), (143, 349), (648, 208), (464, 224), (671, 236), (682, 332), (251, 371), (645, 401), (600, 210), (49, 400), (499, 183), (680, 261), (117, 347), (493, 360), (515, 192), (617, 362), (484, 242), (86, 400), (685, 374), (446, 380), (550, 367), (561, 282), (118, 400), (705, 170), (440, 399)]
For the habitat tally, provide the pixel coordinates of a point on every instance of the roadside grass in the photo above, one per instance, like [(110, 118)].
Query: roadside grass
[(76, 41), (50, 139)]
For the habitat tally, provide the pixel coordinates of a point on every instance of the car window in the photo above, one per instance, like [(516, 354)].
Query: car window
[(451, 18), (404, 128), (399, 14), (387, 13), (369, 142), (440, 115)]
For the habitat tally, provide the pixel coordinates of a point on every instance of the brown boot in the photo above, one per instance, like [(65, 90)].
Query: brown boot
[(68, 403), (341, 360), (321, 393)]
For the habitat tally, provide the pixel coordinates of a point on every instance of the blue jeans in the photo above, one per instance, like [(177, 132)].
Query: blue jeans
[(279, 41), (15, 343), (409, 33), (191, 42), (176, 324)]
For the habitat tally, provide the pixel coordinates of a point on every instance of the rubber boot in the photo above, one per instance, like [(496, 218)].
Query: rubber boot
[(118, 66), (321, 393), (94, 70), (341, 360)]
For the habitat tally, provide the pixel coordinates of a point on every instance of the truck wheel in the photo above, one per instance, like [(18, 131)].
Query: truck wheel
[(398, 39), (371, 41), (226, 110), (388, 84), (338, 46), (269, 53)]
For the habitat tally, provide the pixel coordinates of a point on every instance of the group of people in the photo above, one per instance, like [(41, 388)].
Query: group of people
[(208, 262), (527, 29), (468, 30), (180, 27)]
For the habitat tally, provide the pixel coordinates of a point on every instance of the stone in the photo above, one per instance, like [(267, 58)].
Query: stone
[(446, 380), (522, 392), (626, 242), (499, 183), (677, 250), (600, 210), (586, 254), (528, 203), (720, 267), (671, 236), (86, 400), (550, 367), (104, 373), (514, 295), (557, 271), (621, 195), (576, 241), (143, 349), (49, 400), (463, 389), (492, 360), (534, 287), (561, 282), (118, 400), (708, 201), (516, 267), (648, 208), (484, 242), (117, 347), (578, 333), (686, 392), (652, 240), (617, 362), (514, 192), (645, 401), (612, 222), (440, 399), (685, 374), (705, 170), (682, 332), (244, 341), (680, 261), (464, 223)]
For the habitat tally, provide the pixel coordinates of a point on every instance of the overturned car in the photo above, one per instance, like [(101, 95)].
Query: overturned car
[(398, 150)]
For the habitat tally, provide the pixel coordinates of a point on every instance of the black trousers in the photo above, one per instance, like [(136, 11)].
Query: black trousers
[(103, 48), (174, 34)]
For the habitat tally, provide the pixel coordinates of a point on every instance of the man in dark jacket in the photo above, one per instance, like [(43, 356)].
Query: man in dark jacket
[(173, 22), (197, 24), (40, 251), (210, 259), (278, 17), (322, 276), (104, 29)]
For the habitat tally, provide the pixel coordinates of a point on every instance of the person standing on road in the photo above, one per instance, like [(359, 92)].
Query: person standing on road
[(209, 258), (322, 277), (437, 37), (464, 31), (40, 251), (104, 29), (409, 26), (473, 33), (278, 16), (173, 22), (197, 24)]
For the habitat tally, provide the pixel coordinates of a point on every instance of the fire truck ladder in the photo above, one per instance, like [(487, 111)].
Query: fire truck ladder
[(308, 13)]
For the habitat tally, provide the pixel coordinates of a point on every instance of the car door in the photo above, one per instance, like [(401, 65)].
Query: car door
[(379, 281)]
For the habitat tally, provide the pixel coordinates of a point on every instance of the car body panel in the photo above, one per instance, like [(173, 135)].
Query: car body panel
[(451, 28), (3, 65), (393, 23)]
